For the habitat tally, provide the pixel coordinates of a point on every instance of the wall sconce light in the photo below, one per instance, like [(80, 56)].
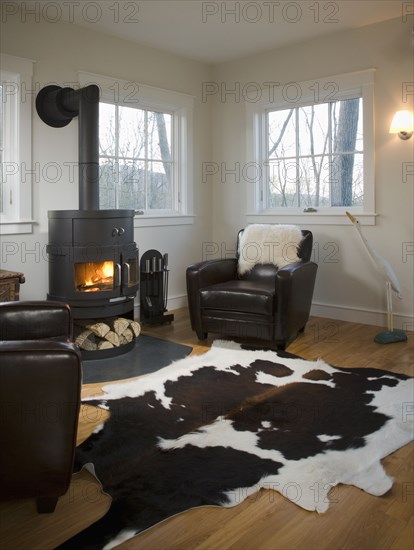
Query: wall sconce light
[(402, 124)]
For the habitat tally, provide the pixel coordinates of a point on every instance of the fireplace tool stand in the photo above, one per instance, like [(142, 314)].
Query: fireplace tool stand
[(154, 288)]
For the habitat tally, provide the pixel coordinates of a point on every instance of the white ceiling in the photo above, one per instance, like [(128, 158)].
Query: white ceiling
[(207, 30)]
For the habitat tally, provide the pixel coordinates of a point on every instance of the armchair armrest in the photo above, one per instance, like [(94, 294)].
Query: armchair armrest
[(35, 320), (294, 290), (40, 400), (204, 274), (212, 272)]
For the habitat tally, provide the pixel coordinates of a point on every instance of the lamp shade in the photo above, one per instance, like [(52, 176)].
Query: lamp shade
[(402, 122)]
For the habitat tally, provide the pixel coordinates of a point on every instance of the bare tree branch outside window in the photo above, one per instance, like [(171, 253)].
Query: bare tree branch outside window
[(136, 166), (315, 155)]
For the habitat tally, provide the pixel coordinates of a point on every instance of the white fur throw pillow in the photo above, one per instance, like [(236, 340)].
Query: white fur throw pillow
[(268, 244)]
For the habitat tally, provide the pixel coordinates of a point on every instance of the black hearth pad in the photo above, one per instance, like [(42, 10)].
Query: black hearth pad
[(148, 355)]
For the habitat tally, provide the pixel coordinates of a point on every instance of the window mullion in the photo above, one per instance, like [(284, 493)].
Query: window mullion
[(265, 190), (117, 171), (330, 165), (175, 137), (146, 158), (297, 156), (264, 186), (11, 153)]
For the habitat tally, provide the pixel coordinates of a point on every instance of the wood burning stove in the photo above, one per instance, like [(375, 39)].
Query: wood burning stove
[(93, 259)]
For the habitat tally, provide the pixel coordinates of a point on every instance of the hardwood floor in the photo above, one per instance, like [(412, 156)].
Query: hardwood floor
[(265, 521)]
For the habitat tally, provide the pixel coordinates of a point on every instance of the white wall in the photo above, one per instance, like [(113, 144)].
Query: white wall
[(348, 288), (60, 50)]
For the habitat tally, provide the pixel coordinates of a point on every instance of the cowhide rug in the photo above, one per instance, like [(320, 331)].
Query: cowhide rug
[(213, 429)]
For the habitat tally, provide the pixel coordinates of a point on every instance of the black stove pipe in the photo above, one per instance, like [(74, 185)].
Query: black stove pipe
[(57, 106)]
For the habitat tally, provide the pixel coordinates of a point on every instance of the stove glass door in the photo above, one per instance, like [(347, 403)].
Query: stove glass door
[(94, 276)]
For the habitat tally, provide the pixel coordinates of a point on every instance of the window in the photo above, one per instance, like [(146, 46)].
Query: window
[(15, 145), (315, 155), (315, 150), (145, 150), (137, 167)]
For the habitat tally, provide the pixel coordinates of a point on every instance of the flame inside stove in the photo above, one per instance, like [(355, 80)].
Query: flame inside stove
[(94, 276)]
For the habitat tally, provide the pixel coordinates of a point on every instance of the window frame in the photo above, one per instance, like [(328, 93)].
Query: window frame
[(180, 106), (347, 86), (17, 219)]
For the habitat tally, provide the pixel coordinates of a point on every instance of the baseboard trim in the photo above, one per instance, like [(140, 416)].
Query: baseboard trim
[(364, 316), (340, 313), (174, 302)]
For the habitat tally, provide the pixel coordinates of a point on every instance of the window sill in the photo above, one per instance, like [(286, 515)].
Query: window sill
[(162, 220), (311, 218), (20, 227)]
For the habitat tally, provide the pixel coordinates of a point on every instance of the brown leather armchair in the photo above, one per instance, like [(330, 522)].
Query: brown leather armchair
[(266, 303), (40, 382)]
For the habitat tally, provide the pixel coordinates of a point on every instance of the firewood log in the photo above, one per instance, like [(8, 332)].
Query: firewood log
[(82, 337), (89, 344), (128, 335), (120, 324), (135, 327), (104, 344), (100, 329), (112, 337)]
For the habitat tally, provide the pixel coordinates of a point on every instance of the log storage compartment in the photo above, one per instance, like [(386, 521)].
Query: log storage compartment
[(105, 334)]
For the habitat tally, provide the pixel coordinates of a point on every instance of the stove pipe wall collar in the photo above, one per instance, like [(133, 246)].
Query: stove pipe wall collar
[(57, 106)]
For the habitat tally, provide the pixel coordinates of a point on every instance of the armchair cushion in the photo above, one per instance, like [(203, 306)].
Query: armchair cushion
[(268, 244), (240, 295)]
